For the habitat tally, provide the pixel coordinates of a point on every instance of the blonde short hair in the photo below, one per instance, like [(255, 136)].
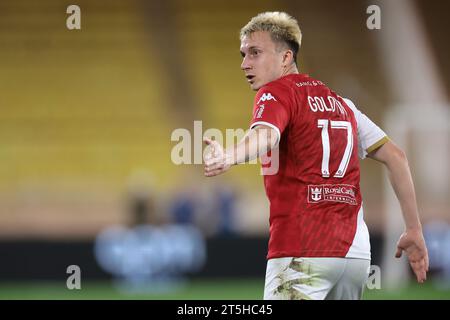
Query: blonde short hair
[(281, 26)]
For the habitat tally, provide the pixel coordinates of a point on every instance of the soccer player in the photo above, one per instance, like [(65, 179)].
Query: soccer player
[(319, 244)]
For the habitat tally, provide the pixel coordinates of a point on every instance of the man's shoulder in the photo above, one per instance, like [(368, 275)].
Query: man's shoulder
[(279, 84), (296, 82), (350, 104), (280, 87)]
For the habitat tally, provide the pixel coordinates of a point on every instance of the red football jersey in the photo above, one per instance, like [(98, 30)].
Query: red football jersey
[(315, 199)]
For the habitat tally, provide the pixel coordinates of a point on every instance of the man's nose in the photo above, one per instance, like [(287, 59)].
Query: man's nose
[(245, 65)]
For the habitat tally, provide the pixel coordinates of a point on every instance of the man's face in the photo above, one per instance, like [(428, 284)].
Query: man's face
[(262, 61)]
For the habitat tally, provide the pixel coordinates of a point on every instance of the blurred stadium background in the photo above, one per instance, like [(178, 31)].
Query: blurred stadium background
[(86, 176)]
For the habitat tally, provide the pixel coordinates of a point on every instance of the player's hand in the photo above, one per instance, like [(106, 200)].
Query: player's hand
[(413, 243), (215, 159)]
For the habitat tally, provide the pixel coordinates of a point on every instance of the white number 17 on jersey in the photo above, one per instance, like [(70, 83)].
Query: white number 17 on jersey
[(323, 123)]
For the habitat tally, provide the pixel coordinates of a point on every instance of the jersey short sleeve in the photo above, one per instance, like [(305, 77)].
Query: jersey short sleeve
[(370, 136), (271, 108)]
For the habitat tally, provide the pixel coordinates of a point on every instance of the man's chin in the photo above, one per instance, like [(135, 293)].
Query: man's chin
[(254, 86)]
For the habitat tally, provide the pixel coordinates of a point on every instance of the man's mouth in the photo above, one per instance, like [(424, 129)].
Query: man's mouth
[(250, 78)]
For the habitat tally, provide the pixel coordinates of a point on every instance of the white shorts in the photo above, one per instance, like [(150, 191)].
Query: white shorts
[(316, 278)]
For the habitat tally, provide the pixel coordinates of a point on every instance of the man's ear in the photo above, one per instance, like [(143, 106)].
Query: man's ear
[(287, 56)]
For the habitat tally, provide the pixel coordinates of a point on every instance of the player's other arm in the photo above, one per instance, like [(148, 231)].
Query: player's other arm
[(411, 241), (258, 141)]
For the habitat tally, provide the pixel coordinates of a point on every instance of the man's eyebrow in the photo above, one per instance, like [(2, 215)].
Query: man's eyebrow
[(249, 49)]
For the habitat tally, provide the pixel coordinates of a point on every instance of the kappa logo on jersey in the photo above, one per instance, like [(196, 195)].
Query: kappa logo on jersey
[(266, 97), (332, 192)]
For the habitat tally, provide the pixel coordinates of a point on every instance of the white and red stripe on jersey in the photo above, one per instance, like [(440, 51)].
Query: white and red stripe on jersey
[(315, 199)]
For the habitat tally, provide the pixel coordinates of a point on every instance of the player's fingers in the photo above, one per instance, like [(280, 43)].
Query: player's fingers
[(425, 270), (209, 164), (421, 276), (212, 143), (425, 260), (207, 140), (213, 173), (214, 166), (419, 270), (214, 160), (416, 271), (398, 254), (210, 174), (207, 171)]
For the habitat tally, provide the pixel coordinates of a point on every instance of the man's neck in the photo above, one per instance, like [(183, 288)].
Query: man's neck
[(292, 69)]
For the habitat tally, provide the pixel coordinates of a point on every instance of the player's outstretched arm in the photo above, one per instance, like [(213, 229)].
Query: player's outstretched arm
[(411, 241), (258, 141)]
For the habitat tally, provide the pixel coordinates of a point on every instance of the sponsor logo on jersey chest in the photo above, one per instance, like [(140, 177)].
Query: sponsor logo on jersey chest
[(332, 192)]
